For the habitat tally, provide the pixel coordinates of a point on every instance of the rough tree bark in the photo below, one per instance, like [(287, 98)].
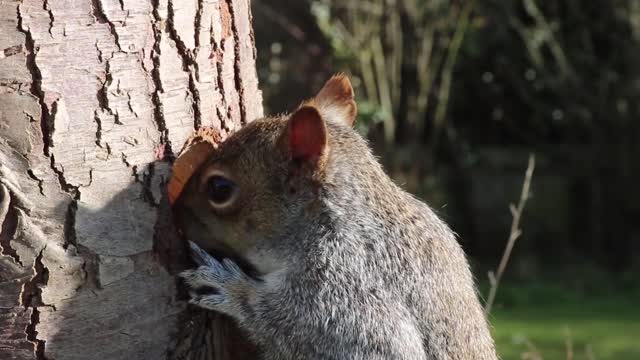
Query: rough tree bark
[(95, 98)]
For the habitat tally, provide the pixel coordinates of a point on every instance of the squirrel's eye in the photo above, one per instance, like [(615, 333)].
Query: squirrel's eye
[(220, 190)]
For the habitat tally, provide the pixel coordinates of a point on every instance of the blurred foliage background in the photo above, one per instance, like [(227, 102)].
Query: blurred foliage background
[(453, 96)]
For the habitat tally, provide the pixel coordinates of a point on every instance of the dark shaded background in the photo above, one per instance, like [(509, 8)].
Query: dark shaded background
[(455, 95)]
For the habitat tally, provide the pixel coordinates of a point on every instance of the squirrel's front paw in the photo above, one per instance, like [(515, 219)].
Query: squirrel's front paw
[(231, 284)]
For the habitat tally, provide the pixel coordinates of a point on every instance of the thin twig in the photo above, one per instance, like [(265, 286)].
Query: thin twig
[(532, 352), (514, 234), (426, 73), (589, 353), (568, 344), (383, 89), (532, 8), (447, 72), (271, 14)]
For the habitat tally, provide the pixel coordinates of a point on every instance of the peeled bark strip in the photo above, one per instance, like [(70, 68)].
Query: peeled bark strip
[(94, 94)]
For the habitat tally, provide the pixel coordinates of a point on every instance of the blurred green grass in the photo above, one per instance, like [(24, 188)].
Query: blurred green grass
[(607, 322)]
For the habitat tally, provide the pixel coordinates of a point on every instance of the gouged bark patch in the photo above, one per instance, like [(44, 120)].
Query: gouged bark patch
[(225, 18), (32, 297), (237, 64), (8, 225), (47, 119)]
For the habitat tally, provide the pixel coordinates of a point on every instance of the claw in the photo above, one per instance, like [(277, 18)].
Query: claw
[(232, 267), (212, 302), (220, 276), (185, 275), (194, 297), (200, 256)]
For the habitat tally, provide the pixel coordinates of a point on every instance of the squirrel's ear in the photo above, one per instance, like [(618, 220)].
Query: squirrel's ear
[(306, 136), (336, 100)]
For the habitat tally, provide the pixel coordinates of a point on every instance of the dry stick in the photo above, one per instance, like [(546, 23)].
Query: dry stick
[(589, 353), (447, 72), (533, 353), (568, 344), (383, 90), (396, 34), (271, 14), (425, 64), (514, 234), (557, 52)]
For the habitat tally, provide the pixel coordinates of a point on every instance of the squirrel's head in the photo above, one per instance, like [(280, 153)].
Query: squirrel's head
[(259, 180)]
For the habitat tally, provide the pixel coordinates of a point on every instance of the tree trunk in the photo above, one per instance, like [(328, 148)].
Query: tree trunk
[(95, 98)]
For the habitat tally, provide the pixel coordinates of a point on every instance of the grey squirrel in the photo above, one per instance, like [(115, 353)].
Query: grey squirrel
[(343, 263)]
